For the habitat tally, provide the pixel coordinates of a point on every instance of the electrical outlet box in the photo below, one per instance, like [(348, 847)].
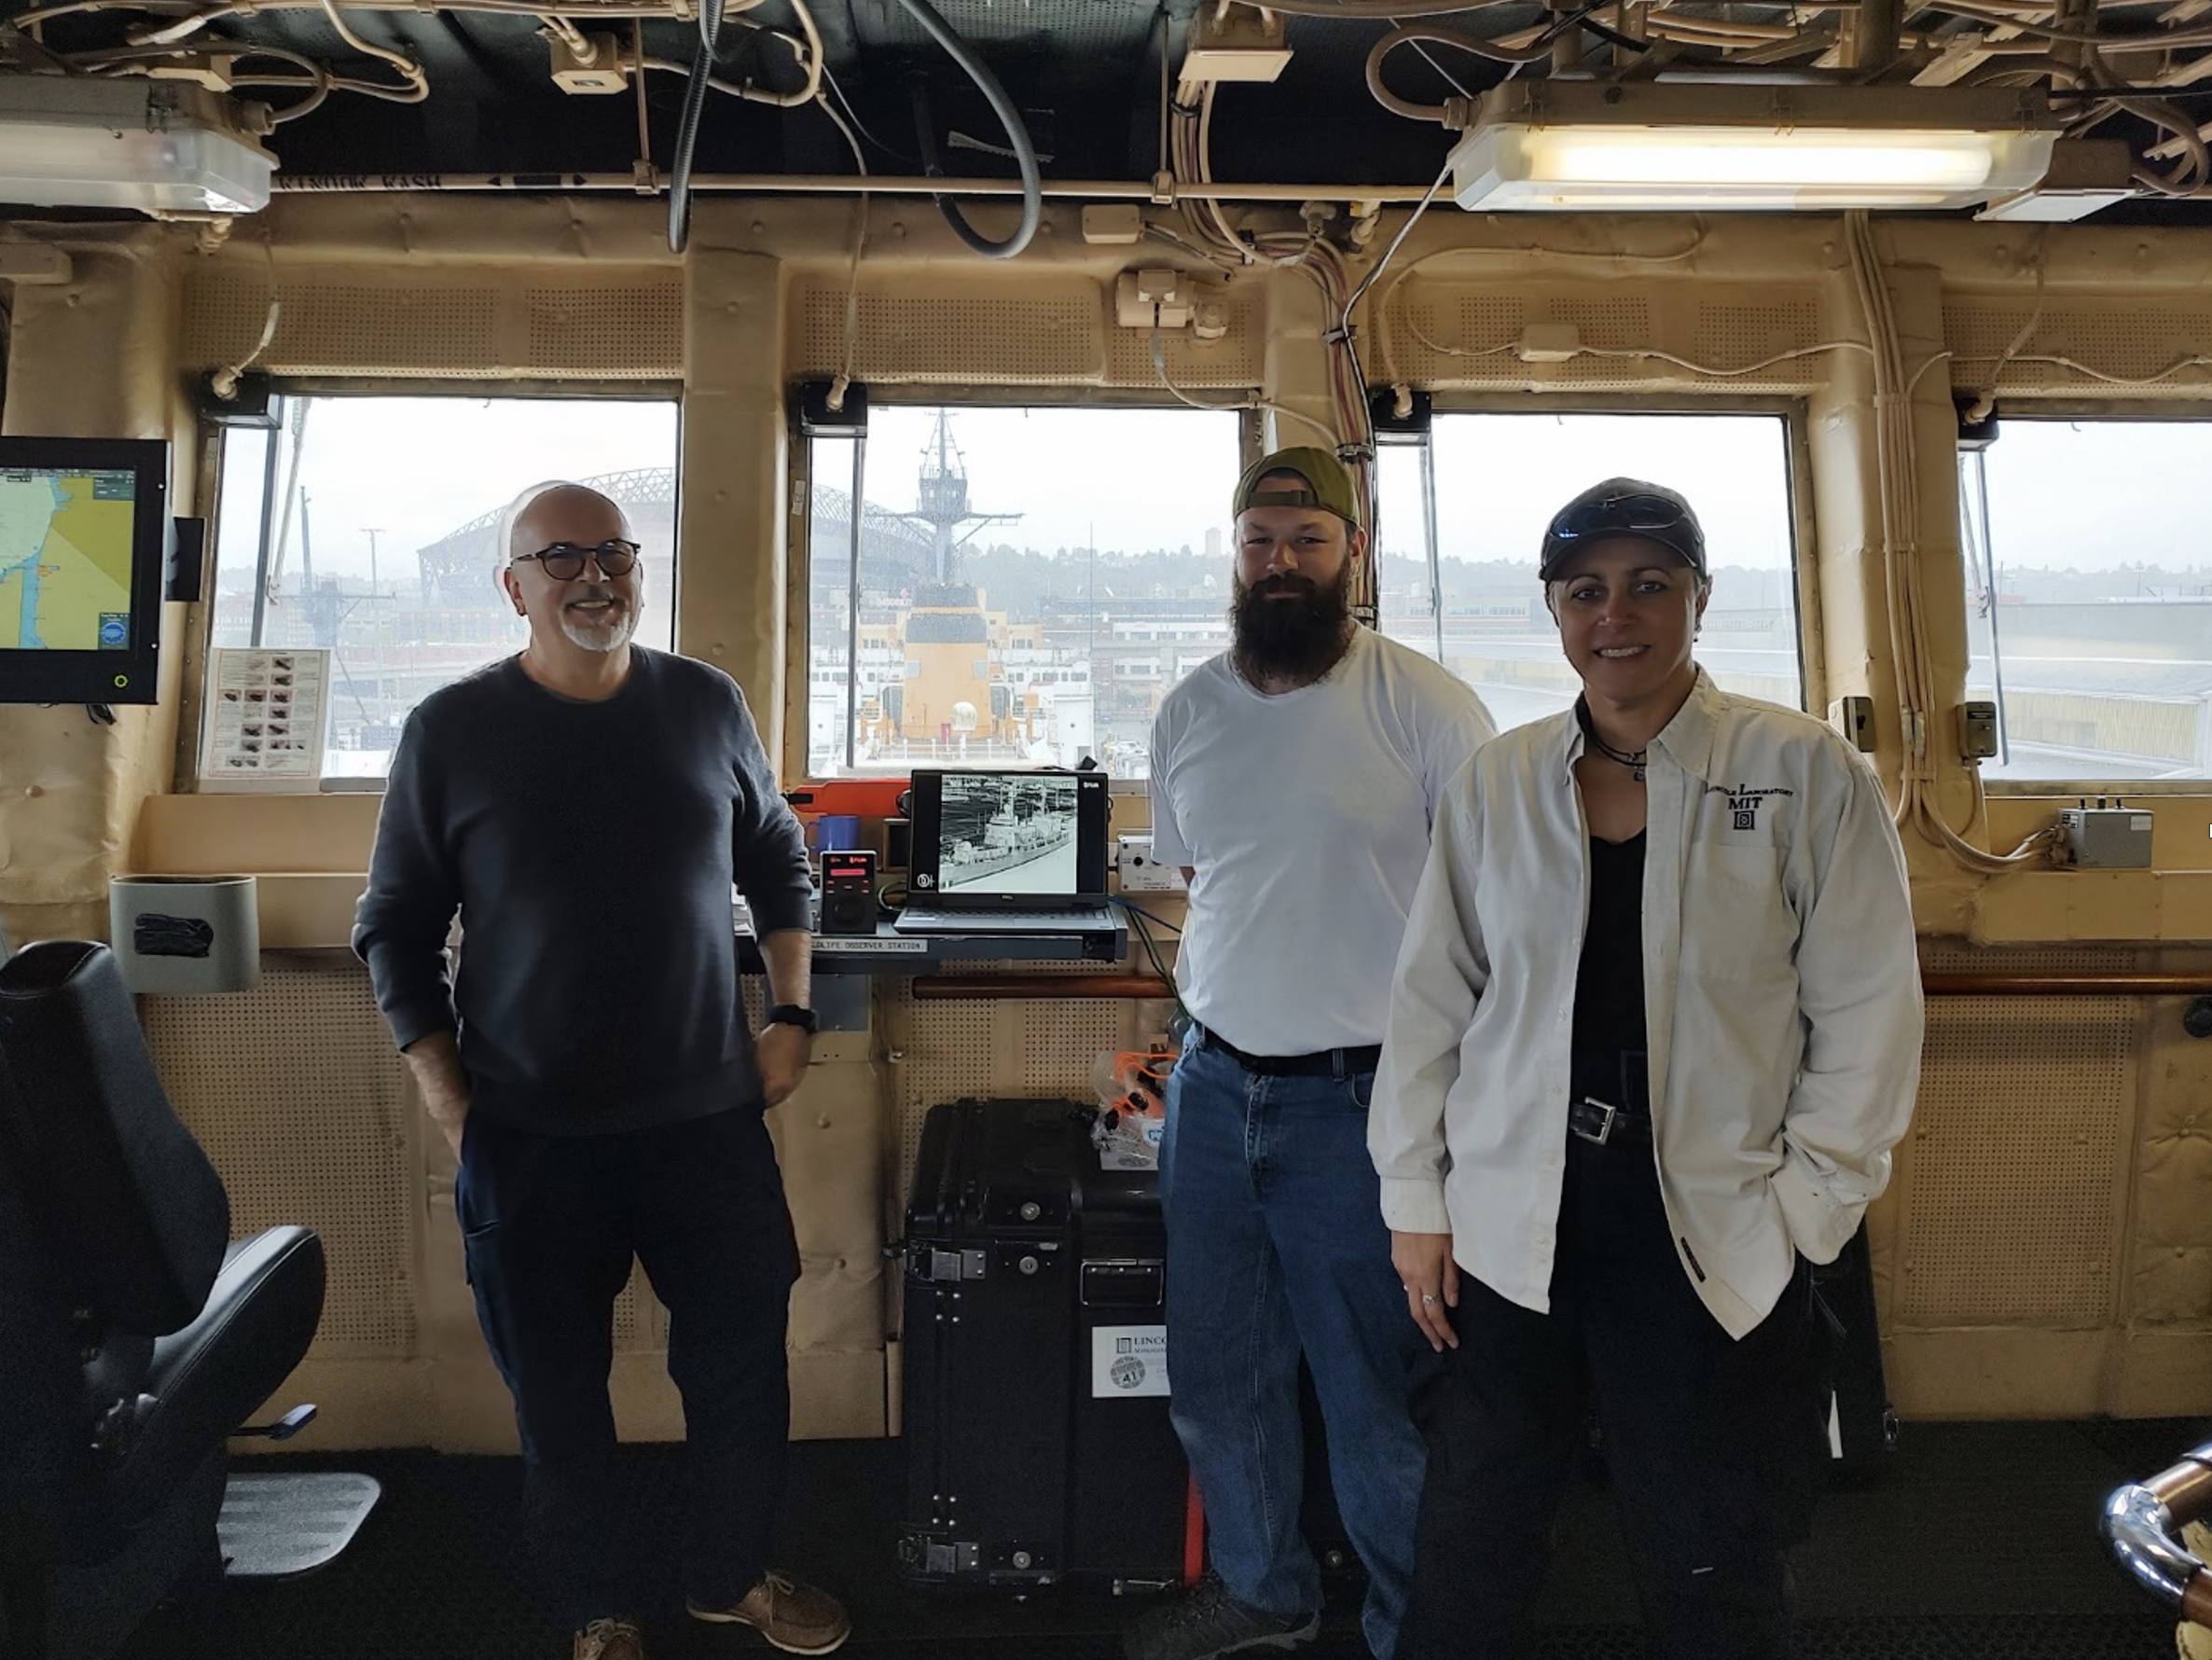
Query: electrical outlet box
[(1140, 872), (1854, 717), (212, 70), (1549, 343), (1156, 295), (2104, 837), (598, 69), (1109, 223), (1236, 44), (1977, 731)]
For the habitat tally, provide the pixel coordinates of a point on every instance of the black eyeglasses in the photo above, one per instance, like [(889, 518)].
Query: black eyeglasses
[(1611, 514), (564, 560)]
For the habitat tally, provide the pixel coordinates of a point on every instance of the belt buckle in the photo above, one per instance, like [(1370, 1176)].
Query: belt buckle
[(1605, 1131)]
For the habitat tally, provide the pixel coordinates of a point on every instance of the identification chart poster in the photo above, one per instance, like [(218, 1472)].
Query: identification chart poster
[(267, 711)]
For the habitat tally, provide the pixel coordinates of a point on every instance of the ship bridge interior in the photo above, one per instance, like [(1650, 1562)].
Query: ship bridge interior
[(776, 275)]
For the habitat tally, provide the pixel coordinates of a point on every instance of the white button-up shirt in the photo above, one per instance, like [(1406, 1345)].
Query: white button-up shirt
[(1781, 1001)]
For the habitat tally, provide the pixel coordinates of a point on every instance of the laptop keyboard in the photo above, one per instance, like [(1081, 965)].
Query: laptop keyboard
[(954, 922)]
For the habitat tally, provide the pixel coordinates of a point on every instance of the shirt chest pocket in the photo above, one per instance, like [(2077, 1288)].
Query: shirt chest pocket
[(1737, 921)]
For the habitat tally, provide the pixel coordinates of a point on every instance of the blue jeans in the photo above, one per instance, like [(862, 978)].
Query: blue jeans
[(551, 1224), (1275, 1244)]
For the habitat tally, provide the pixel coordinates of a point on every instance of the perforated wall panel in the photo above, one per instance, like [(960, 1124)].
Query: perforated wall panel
[(1734, 335), (946, 337), (2019, 1162), (1955, 957), (470, 325), (2140, 347), (1234, 360), (1444, 334), (294, 1091)]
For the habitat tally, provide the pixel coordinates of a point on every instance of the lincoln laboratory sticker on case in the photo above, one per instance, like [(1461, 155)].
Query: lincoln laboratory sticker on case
[(1128, 1360)]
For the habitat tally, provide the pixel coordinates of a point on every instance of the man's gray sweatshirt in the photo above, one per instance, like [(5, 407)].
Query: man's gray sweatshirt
[(588, 849)]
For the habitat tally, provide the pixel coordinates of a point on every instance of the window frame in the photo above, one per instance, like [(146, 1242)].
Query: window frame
[(798, 492), (210, 434), (1812, 660), (2162, 411)]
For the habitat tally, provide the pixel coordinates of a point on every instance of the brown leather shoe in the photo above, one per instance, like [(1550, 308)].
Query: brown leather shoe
[(792, 1615), (610, 1639)]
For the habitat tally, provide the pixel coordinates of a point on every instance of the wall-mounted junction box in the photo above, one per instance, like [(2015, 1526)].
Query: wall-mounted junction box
[(1977, 731), (1140, 872), (1854, 717), (2104, 837)]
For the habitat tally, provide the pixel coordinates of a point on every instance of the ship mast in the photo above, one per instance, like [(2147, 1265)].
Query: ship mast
[(941, 502)]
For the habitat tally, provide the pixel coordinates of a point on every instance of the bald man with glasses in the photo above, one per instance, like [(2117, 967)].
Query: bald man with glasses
[(583, 807)]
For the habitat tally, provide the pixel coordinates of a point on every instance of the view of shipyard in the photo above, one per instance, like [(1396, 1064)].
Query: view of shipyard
[(1019, 587)]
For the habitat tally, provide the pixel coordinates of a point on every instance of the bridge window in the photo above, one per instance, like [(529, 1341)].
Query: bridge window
[(2089, 600), (368, 527), (1061, 540), (1491, 480)]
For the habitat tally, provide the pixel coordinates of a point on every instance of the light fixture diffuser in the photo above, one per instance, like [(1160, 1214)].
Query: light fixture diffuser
[(1587, 147), (68, 141)]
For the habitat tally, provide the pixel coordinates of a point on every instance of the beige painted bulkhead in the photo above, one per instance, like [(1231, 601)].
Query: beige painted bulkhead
[(2046, 1248)]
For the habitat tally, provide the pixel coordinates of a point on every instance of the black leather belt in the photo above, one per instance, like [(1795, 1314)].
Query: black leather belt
[(1323, 1064), (1601, 1122)]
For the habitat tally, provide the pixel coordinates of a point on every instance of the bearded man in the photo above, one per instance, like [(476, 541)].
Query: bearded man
[(1294, 779)]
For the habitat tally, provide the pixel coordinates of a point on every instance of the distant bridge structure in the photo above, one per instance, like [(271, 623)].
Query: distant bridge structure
[(461, 567)]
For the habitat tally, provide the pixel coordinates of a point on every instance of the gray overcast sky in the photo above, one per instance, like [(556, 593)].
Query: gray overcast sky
[(2086, 495)]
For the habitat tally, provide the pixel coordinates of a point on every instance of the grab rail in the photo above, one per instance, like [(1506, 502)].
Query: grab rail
[(2140, 1523)]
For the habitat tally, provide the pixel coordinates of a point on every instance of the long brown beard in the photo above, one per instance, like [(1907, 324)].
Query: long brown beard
[(1298, 640)]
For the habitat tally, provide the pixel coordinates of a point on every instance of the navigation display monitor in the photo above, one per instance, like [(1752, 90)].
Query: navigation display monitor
[(83, 532)]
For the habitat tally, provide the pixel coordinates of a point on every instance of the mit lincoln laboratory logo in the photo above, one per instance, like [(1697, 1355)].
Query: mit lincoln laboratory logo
[(1745, 800)]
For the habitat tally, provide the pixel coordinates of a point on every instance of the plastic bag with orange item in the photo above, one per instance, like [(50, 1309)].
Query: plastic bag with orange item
[(1131, 1087)]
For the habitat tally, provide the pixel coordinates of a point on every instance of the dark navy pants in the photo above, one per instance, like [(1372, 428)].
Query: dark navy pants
[(1715, 1446), (552, 1224)]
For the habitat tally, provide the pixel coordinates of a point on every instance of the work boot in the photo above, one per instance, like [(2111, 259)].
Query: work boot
[(1206, 1621)]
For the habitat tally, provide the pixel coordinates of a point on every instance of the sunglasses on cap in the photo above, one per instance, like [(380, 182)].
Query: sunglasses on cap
[(564, 562), (1609, 516)]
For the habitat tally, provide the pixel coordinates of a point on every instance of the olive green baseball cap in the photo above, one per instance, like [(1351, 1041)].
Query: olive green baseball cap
[(1328, 483)]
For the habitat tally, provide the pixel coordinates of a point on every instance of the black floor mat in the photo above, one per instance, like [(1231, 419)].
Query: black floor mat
[(1979, 1543)]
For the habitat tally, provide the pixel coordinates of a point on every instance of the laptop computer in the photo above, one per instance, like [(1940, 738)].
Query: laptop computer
[(1007, 853)]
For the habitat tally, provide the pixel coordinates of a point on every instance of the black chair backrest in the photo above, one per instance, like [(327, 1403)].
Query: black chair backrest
[(100, 1155)]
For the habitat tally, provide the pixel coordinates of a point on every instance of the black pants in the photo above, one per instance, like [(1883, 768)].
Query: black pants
[(551, 1224), (1714, 1445)]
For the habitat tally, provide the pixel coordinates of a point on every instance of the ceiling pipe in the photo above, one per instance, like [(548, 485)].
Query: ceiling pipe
[(771, 184), (1873, 36)]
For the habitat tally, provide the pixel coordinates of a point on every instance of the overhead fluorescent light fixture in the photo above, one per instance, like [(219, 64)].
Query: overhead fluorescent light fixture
[(157, 146), (1586, 146)]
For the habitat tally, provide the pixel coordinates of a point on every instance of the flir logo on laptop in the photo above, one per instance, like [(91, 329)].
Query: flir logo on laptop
[(1008, 850)]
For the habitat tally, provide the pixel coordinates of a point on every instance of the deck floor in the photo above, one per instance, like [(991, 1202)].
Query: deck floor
[(1979, 1543)]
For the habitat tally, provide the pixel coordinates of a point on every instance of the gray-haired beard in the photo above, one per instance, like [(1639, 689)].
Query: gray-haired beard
[(611, 635), (1298, 640)]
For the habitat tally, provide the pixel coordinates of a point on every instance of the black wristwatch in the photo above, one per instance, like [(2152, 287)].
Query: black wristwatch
[(791, 1014)]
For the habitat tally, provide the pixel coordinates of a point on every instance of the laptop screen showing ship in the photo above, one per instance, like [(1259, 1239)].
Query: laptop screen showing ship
[(1004, 841)]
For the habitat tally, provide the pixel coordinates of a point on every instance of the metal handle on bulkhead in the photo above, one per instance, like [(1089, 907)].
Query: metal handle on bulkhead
[(2140, 1523)]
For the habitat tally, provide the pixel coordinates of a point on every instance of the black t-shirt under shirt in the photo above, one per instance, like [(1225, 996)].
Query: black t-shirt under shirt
[(1608, 988)]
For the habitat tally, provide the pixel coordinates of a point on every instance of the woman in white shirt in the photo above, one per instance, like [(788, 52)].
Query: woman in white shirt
[(1655, 1029)]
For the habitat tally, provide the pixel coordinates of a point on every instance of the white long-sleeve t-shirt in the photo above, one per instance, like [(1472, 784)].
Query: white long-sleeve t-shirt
[(1305, 815), (1781, 1001)]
